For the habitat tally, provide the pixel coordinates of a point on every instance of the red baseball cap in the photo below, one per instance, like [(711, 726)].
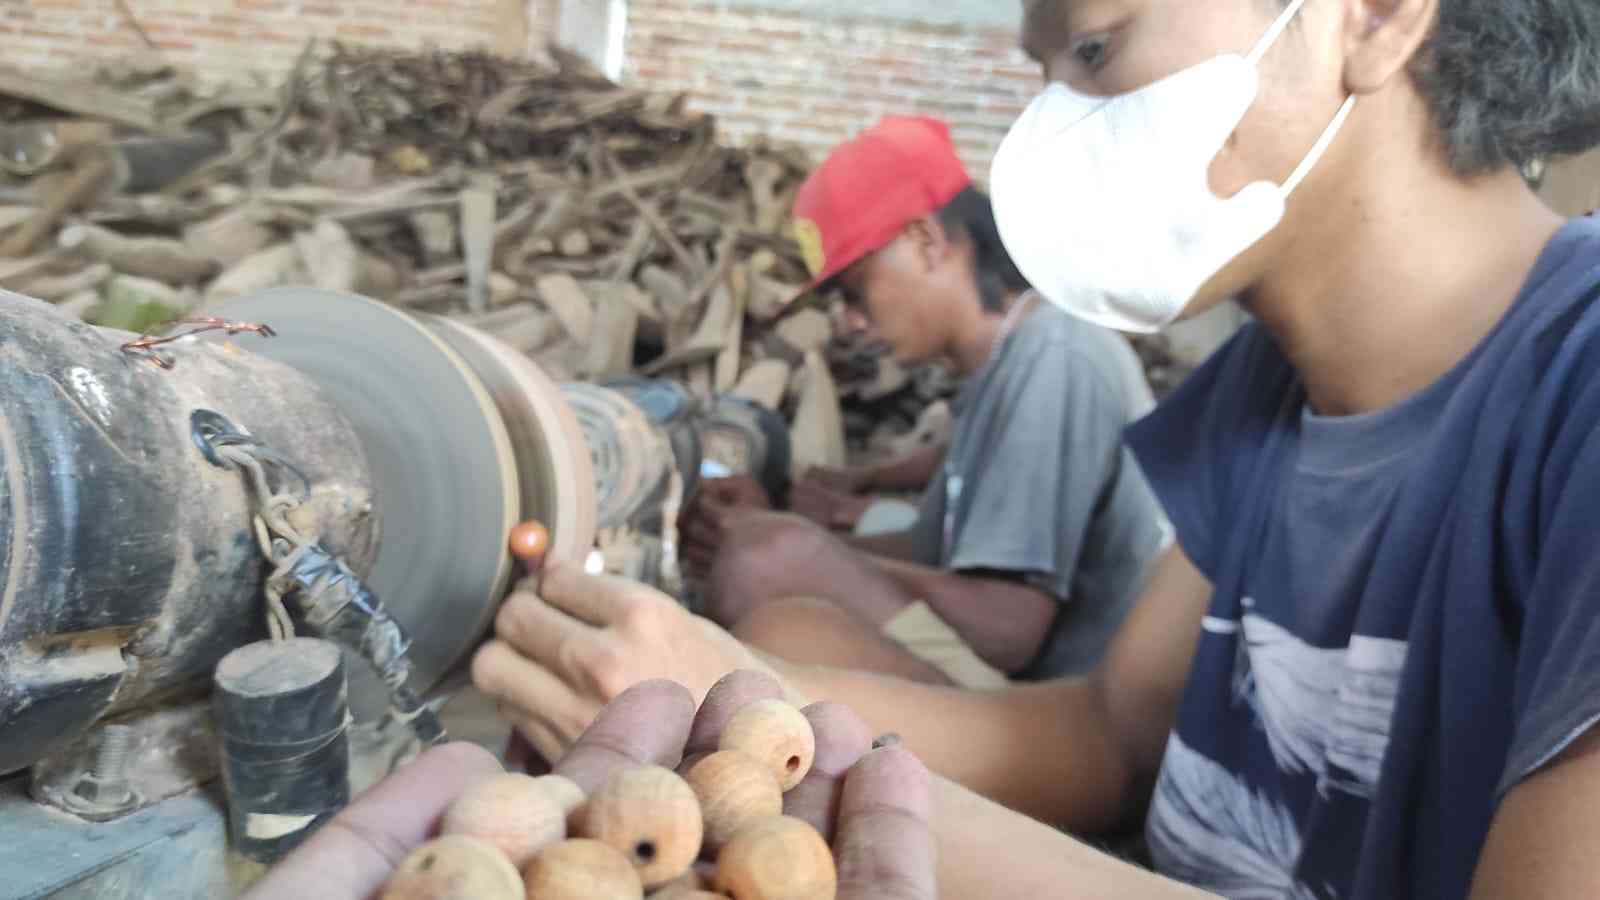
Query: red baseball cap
[(870, 188)]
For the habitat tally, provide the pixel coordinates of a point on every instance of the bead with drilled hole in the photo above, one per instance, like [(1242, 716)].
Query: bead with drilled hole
[(775, 733), (650, 814)]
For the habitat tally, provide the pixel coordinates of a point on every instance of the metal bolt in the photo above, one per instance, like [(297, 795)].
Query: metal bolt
[(111, 763), (105, 787)]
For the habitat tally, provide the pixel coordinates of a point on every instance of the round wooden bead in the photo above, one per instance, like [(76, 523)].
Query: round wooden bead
[(529, 541), (650, 814), (691, 885), (567, 795), (581, 869), (514, 812), (775, 733), (776, 858), (733, 788), (454, 867)]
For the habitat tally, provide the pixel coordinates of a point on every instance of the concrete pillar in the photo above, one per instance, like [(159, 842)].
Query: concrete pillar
[(596, 30)]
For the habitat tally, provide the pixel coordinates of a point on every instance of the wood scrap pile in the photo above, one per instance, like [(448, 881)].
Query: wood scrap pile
[(601, 229)]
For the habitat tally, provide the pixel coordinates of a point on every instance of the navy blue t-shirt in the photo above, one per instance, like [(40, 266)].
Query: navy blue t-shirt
[(1406, 618)]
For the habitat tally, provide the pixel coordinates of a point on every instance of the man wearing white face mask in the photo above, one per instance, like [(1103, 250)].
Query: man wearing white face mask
[(1371, 667)]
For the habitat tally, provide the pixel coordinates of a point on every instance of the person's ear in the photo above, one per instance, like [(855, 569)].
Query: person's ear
[(930, 241), (1381, 39)]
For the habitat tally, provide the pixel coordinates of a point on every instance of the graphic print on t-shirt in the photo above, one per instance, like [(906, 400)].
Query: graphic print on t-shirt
[(1324, 714)]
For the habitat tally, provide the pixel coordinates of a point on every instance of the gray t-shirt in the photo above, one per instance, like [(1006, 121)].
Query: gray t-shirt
[(1037, 482)]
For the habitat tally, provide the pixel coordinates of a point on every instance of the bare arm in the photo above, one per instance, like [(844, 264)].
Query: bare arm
[(911, 472), (1081, 753), (1005, 622), (1078, 753), (895, 545), (986, 850), (1542, 841)]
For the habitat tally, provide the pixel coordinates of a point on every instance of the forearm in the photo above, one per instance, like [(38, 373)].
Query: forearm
[(988, 851), (911, 472), (1004, 622), (1044, 749), (895, 545)]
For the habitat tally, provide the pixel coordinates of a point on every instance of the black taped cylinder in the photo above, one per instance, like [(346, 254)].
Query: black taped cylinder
[(281, 711)]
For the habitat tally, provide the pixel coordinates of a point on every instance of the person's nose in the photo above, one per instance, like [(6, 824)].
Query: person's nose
[(856, 321)]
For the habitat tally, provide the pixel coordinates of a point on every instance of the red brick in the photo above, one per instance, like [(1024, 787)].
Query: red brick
[(278, 37), (362, 29), (210, 31)]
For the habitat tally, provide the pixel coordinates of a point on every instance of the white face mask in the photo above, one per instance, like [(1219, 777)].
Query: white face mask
[(1104, 202)]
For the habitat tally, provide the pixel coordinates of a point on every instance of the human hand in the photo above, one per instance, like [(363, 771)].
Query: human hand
[(710, 516), (830, 508), (354, 853), (562, 652), (843, 481), (872, 804)]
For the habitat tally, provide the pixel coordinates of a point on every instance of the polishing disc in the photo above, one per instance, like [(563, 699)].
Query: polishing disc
[(444, 475), (553, 462)]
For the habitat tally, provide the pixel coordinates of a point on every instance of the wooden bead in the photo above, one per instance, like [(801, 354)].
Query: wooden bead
[(733, 788), (691, 885), (514, 812), (650, 814), (454, 867), (529, 541), (776, 858), (581, 869), (775, 733), (567, 795)]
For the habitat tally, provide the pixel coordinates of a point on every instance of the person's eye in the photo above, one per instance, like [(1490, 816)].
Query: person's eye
[(1092, 51)]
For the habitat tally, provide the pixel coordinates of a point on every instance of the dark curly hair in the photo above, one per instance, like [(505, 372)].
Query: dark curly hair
[(969, 217), (1511, 82)]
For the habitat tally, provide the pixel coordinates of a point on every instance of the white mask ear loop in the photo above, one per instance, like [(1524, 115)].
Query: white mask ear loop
[(1277, 29), (1329, 133), (1321, 146)]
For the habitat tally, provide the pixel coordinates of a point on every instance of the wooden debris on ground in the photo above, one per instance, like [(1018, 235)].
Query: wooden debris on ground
[(601, 229)]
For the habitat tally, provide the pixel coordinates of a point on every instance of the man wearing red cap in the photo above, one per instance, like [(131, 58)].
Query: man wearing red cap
[(1035, 527)]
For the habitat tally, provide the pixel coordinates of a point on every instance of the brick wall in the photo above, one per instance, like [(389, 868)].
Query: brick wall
[(224, 37), (796, 74), (816, 80)]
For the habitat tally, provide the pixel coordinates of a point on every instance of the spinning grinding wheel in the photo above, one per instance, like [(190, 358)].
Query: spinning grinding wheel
[(450, 447), (554, 467)]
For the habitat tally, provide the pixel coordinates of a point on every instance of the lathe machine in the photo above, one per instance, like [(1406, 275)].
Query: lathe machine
[(244, 562)]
